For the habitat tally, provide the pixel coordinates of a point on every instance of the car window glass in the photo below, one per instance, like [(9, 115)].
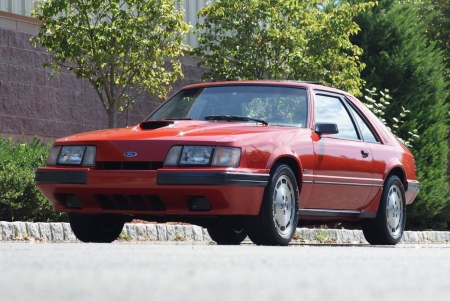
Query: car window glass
[(179, 105), (331, 109), (366, 131), (287, 109), (285, 106)]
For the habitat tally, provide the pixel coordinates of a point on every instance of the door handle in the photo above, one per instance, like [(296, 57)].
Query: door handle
[(365, 153)]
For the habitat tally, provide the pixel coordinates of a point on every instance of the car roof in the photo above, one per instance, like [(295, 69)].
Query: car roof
[(286, 83)]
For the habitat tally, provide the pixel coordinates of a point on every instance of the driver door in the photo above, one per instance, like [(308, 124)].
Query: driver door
[(343, 163)]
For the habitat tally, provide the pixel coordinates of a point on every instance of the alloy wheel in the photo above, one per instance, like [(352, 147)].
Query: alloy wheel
[(284, 205), (394, 211)]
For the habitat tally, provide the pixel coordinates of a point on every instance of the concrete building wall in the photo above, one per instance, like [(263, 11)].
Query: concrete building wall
[(32, 103)]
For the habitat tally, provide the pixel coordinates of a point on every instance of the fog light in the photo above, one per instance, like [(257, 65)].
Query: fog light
[(199, 203), (73, 202)]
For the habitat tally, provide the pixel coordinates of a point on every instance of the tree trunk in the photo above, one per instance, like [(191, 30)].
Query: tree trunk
[(112, 116)]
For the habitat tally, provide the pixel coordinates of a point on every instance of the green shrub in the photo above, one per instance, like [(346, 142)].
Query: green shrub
[(20, 200)]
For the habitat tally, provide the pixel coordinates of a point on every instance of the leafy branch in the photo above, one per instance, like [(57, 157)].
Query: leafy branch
[(378, 102)]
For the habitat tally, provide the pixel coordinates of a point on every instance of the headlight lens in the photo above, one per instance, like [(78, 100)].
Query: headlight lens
[(196, 155), (201, 155), (53, 156), (173, 155), (226, 156), (89, 156), (73, 155)]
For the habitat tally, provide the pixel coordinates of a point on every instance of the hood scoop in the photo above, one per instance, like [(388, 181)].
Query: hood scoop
[(152, 125)]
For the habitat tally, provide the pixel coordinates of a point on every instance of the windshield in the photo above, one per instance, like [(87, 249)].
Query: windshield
[(277, 105)]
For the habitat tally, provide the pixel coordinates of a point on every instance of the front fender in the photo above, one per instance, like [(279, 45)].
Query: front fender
[(283, 152)]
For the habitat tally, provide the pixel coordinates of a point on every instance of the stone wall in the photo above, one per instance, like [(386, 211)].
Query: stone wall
[(32, 103), (134, 232)]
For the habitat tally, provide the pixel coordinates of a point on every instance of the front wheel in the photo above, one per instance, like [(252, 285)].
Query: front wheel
[(277, 220), (227, 235), (96, 228), (388, 226)]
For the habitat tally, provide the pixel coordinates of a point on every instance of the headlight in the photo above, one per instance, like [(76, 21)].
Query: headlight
[(173, 155), (53, 156), (226, 156), (72, 155), (89, 156), (196, 155), (201, 155)]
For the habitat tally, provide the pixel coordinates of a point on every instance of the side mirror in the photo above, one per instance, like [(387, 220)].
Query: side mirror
[(324, 128)]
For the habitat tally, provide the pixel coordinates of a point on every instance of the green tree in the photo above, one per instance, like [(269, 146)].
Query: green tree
[(273, 39), (399, 57), (122, 47), (437, 14), (377, 102)]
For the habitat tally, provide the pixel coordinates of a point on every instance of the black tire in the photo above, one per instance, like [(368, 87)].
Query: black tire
[(388, 226), (227, 235), (277, 220), (96, 228)]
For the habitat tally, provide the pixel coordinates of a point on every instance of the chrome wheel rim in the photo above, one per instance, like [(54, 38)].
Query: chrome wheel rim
[(394, 211), (283, 205)]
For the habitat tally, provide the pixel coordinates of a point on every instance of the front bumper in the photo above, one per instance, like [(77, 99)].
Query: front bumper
[(137, 192)]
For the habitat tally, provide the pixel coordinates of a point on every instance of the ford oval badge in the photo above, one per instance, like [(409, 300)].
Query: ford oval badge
[(130, 154)]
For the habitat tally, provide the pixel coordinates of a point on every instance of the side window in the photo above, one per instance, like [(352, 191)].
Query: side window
[(366, 131), (331, 109)]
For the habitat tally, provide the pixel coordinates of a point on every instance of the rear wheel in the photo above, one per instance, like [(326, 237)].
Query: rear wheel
[(227, 235), (388, 226), (277, 220), (96, 228)]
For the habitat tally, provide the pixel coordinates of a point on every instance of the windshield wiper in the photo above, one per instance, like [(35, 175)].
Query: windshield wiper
[(234, 118), (181, 118)]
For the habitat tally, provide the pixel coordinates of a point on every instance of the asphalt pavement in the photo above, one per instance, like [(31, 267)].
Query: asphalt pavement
[(203, 271)]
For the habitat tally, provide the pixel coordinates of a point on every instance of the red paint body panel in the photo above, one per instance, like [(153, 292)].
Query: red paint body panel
[(332, 174), (340, 162)]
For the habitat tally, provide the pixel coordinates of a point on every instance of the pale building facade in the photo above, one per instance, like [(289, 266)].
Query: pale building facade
[(32, 103)]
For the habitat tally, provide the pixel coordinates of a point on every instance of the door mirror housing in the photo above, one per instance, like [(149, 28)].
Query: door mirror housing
[(325, 128)]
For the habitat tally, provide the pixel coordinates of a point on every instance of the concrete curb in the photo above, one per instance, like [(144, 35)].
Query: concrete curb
[(61, 232)]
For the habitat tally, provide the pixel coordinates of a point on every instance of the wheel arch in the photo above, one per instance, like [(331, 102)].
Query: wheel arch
[(387, 227), (394, 171), (270, 226), (393, 168), (400, 173), (294, 164)]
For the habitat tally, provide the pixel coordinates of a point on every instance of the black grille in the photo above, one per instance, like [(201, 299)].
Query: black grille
[(130, 165), (105, 202), (138, 202), (155, 203), (122, 202), (130, 202)]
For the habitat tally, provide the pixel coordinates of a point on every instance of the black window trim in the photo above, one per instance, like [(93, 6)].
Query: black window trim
[(364, 119), (343, 99), (348, 103)]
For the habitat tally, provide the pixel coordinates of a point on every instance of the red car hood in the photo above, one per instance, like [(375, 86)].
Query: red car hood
[(180, 130), (153, 144)]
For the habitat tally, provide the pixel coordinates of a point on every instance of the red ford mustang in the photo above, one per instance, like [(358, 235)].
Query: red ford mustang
[(239, 158)]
